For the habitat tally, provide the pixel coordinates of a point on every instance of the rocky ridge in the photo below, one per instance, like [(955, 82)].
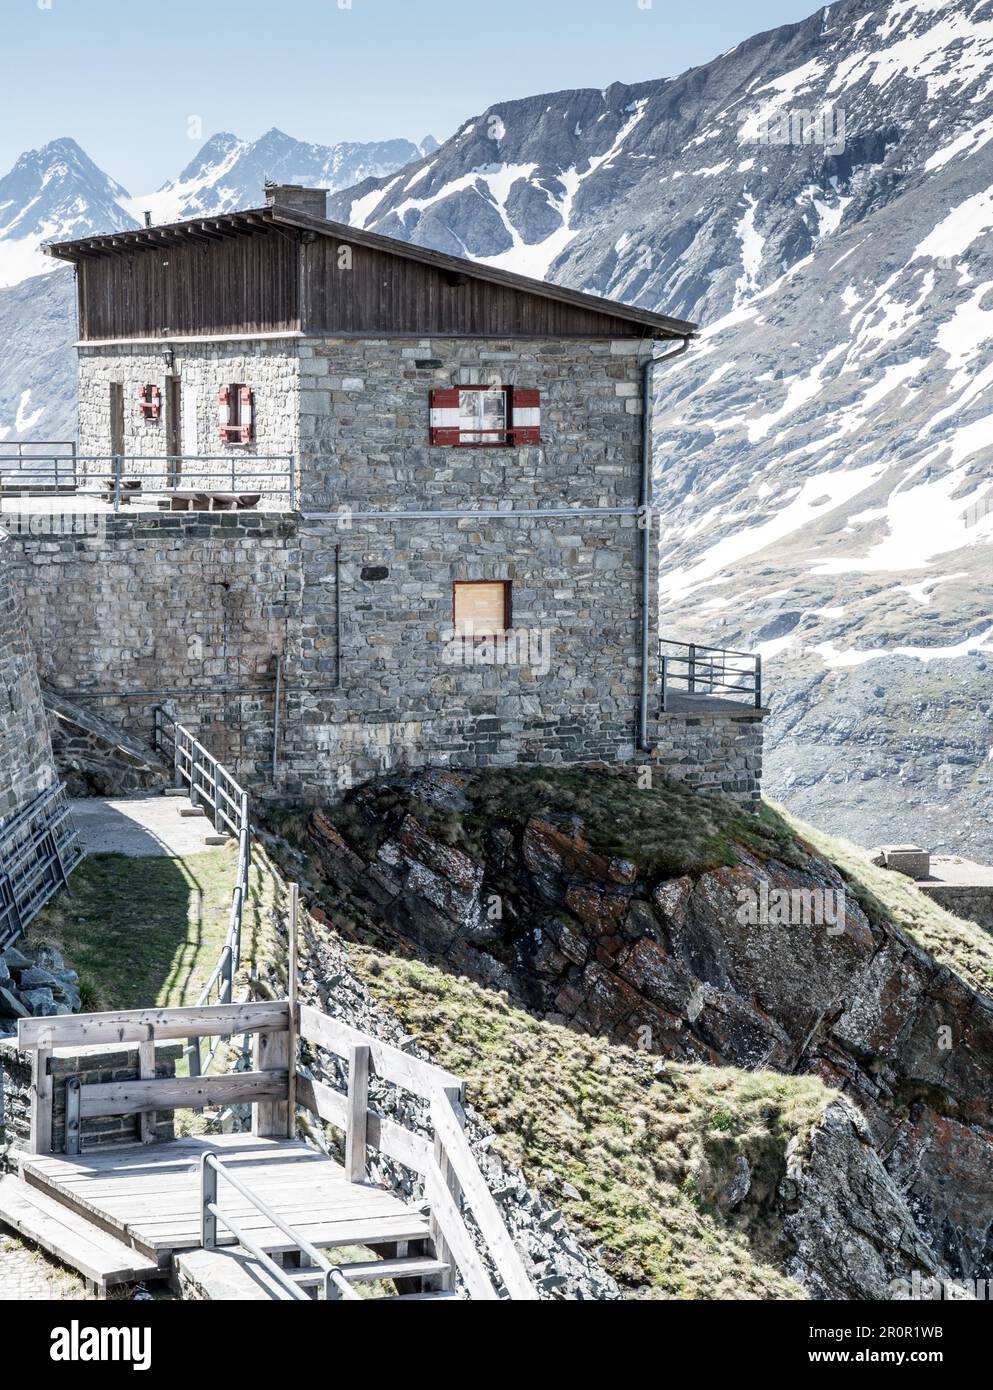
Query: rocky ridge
[(685, 962)]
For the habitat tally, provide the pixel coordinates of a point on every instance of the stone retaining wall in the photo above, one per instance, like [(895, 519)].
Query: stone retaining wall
[(93, 1065), (26, 764), (974, 903)]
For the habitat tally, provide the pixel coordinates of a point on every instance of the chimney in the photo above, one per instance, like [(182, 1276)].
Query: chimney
[(313, 201), (148, 219)]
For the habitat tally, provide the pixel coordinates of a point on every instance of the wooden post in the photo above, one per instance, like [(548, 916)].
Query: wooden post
[(41, 1101), (456, 1094), (358, 1110), (146, 1072), (291, 1099), (73, 1141), (272, 1053)]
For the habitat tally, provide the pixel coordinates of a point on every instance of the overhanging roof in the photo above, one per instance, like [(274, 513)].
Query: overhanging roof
[(260, 221)]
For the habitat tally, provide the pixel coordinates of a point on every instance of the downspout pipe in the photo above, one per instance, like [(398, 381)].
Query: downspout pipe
[(647, 413)]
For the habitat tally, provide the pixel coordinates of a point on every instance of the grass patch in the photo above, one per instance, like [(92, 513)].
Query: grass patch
[(965, 947), (637, 1153), (665, 830), (146, 932)]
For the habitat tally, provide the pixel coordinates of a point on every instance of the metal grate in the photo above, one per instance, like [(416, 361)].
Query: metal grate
[(39, 848)]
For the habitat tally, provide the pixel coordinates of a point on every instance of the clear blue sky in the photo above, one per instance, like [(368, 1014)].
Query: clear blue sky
[(123, 77)]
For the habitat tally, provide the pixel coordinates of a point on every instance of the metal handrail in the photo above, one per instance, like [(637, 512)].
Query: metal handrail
[(335, 1285), (703, 670), (209, 781), (73, 473)]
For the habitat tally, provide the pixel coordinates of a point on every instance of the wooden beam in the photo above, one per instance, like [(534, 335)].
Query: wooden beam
[(269, 1116), (41, 1102), (386, 1136), (175, 1093), (138, 1025), (146, 1072), (423, 1078), (358, 1105)]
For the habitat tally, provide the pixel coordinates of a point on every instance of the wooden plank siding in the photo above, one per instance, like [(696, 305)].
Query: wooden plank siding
[(241, 284), (284, 280), (384, 294)]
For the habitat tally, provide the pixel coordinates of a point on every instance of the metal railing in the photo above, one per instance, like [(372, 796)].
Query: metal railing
[(210, 782), (332, 1281), (39, 848), (123, 478), (698, 670)]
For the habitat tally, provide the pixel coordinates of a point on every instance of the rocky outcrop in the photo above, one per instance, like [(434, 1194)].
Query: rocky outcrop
[(95, 758), (767, 961), (35, 984)]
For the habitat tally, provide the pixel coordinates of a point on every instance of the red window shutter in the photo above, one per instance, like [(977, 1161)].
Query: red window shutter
[(246, 414), (525, 415), (150, 402), (445, 415)]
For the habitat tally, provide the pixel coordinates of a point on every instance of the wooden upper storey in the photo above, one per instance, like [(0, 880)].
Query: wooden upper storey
[(277, 269)]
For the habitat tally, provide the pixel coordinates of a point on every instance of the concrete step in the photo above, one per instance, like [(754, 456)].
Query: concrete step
[(64, 1233)]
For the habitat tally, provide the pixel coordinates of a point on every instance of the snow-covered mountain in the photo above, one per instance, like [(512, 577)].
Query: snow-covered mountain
[(821, 198), (229, 173), (56, 191)]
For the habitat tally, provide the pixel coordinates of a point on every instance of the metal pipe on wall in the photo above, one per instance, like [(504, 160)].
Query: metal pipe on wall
[(647, 413)]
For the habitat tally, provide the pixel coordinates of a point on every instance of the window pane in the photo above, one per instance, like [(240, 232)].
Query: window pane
[(482, 410), (480, 609)]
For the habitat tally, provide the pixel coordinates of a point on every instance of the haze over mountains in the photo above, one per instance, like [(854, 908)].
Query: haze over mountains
[(821, 199)]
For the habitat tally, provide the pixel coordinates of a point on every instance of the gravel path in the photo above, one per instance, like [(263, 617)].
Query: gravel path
[(25, 1274), (140, 827)]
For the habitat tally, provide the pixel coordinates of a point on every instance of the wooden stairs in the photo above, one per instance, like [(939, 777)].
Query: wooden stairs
[(260, 1216)]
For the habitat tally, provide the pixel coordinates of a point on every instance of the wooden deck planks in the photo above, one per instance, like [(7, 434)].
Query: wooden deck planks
[(68, 1236), (151, 1195)]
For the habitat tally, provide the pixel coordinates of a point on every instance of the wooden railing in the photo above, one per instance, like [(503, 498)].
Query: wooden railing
[(263, 1087), (451, 1174), (453, 1180)]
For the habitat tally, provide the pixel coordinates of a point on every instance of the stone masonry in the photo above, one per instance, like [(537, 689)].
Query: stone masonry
[(202, 607), (26, 765)]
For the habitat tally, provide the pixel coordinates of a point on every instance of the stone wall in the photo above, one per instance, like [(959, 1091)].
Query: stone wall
[(202, 607), (712, 752), (268, 366), (364, 416), (973, 902), (94, 1066), (26, 765)]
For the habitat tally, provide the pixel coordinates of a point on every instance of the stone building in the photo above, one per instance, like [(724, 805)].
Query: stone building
[(417, 509)]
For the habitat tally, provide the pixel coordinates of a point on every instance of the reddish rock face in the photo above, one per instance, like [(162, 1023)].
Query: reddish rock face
[(730, 966)]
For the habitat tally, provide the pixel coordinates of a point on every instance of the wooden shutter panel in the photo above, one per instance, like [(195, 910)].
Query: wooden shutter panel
[(481, 609), (151, 402), (224, 411), (525, 416), (246, 414), (445, 415)]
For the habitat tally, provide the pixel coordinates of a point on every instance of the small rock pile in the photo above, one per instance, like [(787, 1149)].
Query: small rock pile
[(35, 984)]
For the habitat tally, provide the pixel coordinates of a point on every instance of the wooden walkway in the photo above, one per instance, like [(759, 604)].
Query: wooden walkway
[(254, 1215), (149, 1197)]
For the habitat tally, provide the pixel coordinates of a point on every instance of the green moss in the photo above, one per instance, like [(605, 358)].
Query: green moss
[(664, 829), (636, 1153), (886, 896)]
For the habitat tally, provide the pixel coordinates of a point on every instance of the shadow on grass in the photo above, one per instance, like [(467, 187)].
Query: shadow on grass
[(142, 931)]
